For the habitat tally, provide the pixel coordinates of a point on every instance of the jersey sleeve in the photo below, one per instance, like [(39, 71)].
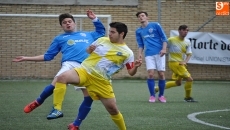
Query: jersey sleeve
[(52, 51), (188, 48), (99, 29), (161, 32), (139, 40), (129, 63), (169, 42)]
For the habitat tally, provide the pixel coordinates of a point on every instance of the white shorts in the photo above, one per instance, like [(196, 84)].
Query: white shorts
[(155, 62), (68, 65)]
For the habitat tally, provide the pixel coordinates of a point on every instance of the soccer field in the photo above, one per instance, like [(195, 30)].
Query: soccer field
[(213, 108)]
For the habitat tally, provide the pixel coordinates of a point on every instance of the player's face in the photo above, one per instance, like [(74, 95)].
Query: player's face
[(183, 32), (114, 36), (68, 25), (142, 18)]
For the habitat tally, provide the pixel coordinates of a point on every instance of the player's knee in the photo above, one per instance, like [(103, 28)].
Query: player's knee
[(61, 78), (150, 76), (112, 109), (85, 92), (161, 76), (189, 79), (178, 83)]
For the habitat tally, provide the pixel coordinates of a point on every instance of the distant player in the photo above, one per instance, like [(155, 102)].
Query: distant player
[(151, 38), (178, 47)]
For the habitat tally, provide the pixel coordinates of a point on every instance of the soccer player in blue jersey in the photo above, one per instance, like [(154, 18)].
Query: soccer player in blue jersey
[(151, 38), (107, 57), (72, 44)]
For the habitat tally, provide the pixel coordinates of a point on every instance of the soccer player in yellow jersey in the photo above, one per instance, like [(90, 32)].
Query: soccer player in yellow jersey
[(107, 57), (178, 47)]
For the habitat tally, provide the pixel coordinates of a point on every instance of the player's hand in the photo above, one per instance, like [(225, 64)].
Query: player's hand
[(91, 48), (162, 52), (138, 63), (90, 14), (18, 59), (183, 63), (140, 56)]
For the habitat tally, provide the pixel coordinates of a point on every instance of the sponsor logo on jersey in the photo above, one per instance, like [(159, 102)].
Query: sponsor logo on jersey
[(72, 42), (151, 30), (119, 53), (151, 33), (83, 34)]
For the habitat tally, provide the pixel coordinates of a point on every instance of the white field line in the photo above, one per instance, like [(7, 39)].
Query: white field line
[(193, 118)]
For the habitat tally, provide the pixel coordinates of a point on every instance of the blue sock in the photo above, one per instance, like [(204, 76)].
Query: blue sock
[(161, 85), (45, 93), (151, 85), (83, 110)]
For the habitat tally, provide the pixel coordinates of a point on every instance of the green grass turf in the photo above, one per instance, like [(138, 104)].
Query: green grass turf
[(132, 100)]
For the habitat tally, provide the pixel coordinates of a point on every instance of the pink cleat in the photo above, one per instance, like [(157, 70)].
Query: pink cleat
[(152, 99), (162, 99)]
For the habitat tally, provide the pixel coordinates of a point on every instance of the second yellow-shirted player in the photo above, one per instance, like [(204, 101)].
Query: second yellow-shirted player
[(180, 52)]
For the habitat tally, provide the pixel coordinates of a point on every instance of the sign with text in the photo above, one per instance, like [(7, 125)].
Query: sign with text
[(222, 8), (208, 48)]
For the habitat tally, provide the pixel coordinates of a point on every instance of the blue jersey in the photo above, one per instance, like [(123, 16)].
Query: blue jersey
[(73, 45), (151, 38)]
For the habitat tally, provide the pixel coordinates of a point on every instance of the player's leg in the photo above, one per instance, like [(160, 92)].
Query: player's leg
[(70, 76), (85, 106), (182, 72), (48, 90), (83, 110), (177, 79), (160, 63), (116, 116), (169, 84), (161, 86), (188, 90), (150, 66)]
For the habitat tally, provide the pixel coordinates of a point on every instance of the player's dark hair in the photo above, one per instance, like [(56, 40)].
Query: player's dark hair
[(182, 27), (137, 14), (121, 27), (65, 15)]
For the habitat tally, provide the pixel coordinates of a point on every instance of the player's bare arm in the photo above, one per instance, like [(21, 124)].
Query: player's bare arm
[(163, 51), (91, 48), (132, 67), (25, 58), (186, 60), (140, 51)]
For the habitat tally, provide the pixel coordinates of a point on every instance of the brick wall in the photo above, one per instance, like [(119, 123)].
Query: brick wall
[(32, 36)]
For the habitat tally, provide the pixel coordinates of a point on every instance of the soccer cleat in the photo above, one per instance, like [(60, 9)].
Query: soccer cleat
[(152, 99), (72, 127), (30, 107), (189, 99), (162, 99), (54, 114)]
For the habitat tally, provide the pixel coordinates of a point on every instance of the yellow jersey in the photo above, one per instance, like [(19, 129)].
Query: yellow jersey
[(108, 58), (178, 48)]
